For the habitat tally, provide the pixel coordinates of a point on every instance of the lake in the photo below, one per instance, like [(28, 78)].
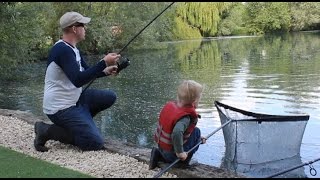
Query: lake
[(274, 74)]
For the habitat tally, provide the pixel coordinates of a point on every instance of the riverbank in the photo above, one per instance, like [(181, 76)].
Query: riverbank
[(121, 160)]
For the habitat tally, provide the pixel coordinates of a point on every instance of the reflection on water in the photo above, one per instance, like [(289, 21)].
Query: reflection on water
[(272, 74)]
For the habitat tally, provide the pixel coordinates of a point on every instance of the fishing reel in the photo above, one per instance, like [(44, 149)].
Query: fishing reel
[(122, 63)]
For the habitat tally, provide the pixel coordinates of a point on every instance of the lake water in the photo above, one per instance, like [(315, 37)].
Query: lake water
[(278, 74)]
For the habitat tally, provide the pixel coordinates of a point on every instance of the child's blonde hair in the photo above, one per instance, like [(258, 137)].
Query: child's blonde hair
[(189, 91)]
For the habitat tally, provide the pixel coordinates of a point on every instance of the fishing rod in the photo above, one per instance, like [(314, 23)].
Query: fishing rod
[(177, 160), (125, 61), (313, 172)]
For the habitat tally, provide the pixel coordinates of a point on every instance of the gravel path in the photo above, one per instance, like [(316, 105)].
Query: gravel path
[(18, 135)]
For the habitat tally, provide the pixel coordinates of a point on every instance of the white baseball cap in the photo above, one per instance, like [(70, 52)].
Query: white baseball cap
[(72, 17)]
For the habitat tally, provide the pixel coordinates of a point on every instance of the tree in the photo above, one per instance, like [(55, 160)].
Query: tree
[(204, 16), (232, 22), (305, 15), (266, 17)]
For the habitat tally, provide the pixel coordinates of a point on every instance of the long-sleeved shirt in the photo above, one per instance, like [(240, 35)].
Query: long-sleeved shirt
[(177, 133), (66, 73)]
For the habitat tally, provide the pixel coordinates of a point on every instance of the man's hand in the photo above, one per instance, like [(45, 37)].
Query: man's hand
[(111, 59), (111, 70)]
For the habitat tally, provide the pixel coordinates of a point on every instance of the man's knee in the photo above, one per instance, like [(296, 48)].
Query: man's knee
[(107, 98), (112, 97), (91, 143)]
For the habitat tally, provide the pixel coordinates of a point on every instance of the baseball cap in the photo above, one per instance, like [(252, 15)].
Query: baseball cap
[(72, 17)]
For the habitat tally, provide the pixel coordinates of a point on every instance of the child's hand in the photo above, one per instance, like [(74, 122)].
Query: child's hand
[(182, 156), (203, 139)]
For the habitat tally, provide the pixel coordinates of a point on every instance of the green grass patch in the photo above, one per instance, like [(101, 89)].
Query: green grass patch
[(14, 164)]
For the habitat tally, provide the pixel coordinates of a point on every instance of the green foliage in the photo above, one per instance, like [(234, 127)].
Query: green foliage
[(184, 31), (134, 17), (23, 37), (232, 22), (305, 15), (130, 18), (266, 17), (29, 29), (202, 15), (165, 24)]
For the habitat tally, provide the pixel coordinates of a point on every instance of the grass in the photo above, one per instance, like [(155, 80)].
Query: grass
[(18, 165)]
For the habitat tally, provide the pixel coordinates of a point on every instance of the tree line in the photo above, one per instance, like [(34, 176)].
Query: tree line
[(29, 29)]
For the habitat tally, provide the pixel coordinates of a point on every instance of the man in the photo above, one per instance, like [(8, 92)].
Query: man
[(69, 108)]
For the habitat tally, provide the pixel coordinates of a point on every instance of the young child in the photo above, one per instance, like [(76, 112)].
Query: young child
[(177, 133)]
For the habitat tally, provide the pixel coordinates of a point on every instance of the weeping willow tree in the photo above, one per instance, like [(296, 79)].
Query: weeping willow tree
[(202, 16)]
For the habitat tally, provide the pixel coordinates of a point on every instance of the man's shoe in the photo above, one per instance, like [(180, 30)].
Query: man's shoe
[(40, 129), (154, 158)]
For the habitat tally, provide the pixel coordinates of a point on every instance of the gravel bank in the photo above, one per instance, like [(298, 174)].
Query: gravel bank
[(18, 135), (122, 159)]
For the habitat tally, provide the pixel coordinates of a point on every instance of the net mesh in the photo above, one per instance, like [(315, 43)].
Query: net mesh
[(251, 140)]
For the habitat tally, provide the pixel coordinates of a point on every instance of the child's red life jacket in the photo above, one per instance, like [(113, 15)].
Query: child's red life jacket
[(168, 118)]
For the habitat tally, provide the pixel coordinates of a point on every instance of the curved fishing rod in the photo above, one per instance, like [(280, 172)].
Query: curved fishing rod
[(145, 27), (126, 61), (313, 172), (177, 160)]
